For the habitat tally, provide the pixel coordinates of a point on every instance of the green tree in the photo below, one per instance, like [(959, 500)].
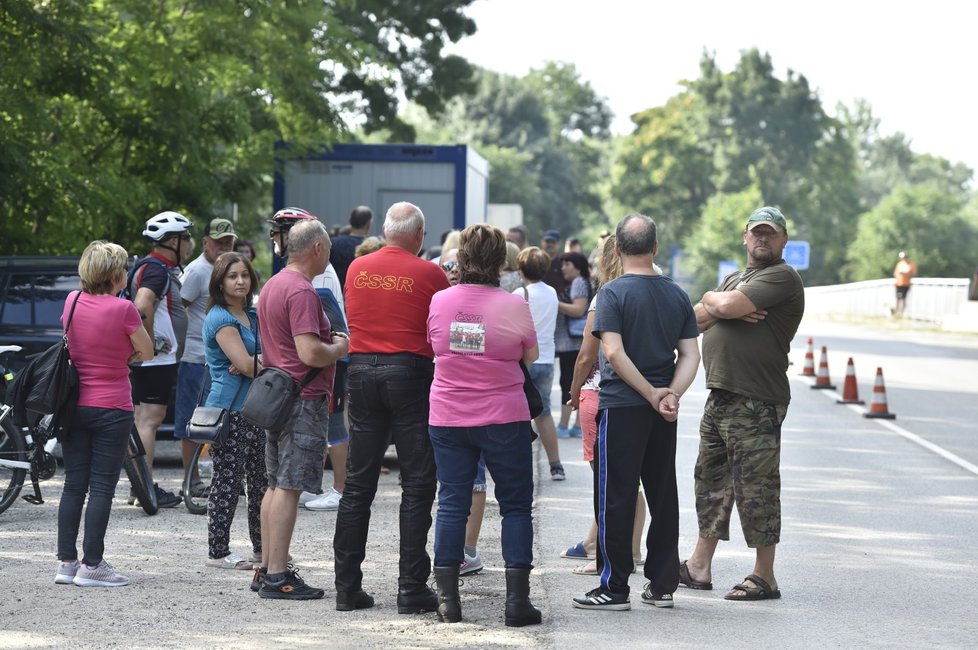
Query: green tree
[(718, 236), (730, 131), (114, 110), (887, 161), (545, 137), (924, 220), (665, 168)]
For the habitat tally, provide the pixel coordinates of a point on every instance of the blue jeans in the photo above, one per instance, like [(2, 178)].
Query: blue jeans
[(189, 378), (93, 455), (542, 376), (506, 449)]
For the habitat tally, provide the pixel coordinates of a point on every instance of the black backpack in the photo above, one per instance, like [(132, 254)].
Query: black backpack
[(128, 292)]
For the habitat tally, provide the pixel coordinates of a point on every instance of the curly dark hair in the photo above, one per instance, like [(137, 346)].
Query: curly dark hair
[(481, 253), (578, 260)]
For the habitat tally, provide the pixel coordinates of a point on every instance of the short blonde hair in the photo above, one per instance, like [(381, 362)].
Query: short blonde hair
[(512, 252), (369, 245), (102, 264)]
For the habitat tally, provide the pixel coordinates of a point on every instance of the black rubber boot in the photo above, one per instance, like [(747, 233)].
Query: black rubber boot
[(449, 605), (519, 610)]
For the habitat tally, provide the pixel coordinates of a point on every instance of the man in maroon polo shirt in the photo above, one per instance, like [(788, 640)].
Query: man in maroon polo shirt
[(388, 379)]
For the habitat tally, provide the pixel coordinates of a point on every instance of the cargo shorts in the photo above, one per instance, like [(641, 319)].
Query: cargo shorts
[(739, 461), (294, 457)]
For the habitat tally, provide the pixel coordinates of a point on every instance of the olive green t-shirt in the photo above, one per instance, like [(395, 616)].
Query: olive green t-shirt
[(751, 359)]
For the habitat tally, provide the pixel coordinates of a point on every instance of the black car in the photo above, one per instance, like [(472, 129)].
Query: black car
[(33, 290)]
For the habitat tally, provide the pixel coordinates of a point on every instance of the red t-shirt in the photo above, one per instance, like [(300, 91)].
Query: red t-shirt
[(387, 298), (289, 306)]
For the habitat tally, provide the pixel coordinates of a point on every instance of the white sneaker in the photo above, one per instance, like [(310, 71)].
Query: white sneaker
[(101, 575), (306, 497), (329, 500), (471, 565), (66, 572)]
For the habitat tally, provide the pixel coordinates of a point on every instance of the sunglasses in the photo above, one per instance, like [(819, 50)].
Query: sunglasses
[(449, 266)]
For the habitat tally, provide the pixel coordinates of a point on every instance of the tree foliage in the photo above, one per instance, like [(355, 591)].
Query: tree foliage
[(731, 133), (926, 221), (717, 237), (545, 136), (111, 111)]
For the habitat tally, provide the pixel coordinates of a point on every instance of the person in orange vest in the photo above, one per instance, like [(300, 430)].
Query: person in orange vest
[(904, 271)]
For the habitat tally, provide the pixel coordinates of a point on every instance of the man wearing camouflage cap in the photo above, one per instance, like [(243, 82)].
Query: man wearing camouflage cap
[(748, 325)]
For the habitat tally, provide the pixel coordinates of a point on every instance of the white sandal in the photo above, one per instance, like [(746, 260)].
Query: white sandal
[(231, 561)]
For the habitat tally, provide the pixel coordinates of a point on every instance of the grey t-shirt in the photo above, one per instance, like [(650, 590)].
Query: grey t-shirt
[(562, 338), (652, 314), (195, 280)]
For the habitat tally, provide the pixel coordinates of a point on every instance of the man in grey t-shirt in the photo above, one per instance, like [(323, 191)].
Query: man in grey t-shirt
[(195, 280), (649, 358)]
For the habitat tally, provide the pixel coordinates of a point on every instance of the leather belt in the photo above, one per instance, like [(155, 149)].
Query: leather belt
[(396, 359)]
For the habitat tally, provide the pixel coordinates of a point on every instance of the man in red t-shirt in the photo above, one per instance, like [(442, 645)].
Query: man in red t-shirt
[(389, 377), (296, 337)]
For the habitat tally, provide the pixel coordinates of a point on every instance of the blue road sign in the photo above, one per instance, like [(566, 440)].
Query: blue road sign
[(797, 254), (725, 268)]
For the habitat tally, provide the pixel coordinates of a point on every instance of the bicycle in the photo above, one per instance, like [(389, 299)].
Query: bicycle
[(29, 450)]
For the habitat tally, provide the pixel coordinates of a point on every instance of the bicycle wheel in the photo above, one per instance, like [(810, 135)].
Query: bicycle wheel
[(13, 449), (138, 472), (195, 493)]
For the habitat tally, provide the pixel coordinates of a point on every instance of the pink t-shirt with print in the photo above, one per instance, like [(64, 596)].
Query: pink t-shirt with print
[(478, 334)]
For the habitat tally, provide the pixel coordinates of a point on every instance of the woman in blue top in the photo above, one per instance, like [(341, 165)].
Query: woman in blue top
[(230, 344)]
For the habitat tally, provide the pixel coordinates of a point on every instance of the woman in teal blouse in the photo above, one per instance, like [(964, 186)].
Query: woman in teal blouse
[(231, 344)]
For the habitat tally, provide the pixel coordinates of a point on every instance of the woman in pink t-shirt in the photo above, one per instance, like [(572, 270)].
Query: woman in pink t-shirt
[(479, 334), (104, 335)]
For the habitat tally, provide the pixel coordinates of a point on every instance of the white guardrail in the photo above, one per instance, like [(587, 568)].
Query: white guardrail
[(933, 300)]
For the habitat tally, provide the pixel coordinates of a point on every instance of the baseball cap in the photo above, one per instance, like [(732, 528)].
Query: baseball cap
[(220, 228), (552, 234), (769, 216)]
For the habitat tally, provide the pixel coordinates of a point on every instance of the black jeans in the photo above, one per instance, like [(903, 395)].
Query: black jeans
[(387, 402), (93, 455)]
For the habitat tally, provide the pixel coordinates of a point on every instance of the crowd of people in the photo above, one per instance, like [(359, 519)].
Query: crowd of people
[(469, 330)]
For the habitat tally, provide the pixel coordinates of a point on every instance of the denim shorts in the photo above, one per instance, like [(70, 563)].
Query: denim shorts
[(480, 484), (294, 457), (189, 378), (542, 376)]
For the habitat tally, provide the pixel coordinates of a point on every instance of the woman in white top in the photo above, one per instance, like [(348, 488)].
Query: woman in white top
[(533, 264)]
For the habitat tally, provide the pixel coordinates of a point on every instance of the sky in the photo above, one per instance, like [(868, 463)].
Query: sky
[(914, 62)]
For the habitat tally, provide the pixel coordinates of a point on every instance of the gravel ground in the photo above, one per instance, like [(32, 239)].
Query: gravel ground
[(174, 601)]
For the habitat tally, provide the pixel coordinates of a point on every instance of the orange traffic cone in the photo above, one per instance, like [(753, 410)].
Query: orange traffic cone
[(878, 408), (822, 380), (850, 391), (809, 369)]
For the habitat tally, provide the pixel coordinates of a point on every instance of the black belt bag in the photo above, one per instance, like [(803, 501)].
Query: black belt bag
[(271, 397)]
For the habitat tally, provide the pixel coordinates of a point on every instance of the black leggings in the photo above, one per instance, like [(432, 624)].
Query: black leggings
[(242, 457), (567, 362)]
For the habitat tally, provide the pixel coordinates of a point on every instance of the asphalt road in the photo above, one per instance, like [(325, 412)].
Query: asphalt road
[(875, 552)]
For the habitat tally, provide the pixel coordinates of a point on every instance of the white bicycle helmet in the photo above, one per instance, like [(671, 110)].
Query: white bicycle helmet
[(166, 224)]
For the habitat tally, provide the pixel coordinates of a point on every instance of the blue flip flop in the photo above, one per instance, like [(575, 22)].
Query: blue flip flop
[(577, 552)]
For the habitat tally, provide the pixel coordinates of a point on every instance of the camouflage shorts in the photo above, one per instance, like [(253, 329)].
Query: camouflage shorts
[(739, 460)]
